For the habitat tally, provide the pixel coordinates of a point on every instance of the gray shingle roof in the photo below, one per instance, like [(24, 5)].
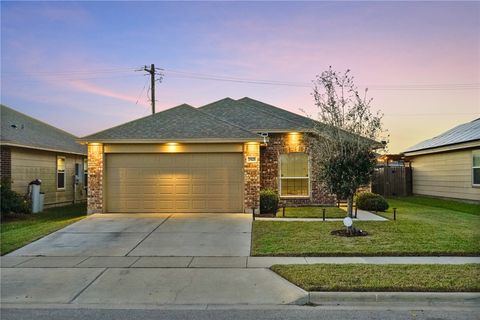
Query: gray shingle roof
[(19, 129), (466, 132), (278, 112), (252, 117), (181, 123)]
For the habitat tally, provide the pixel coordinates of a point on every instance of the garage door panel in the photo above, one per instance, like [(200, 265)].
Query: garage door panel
[(174, 182)]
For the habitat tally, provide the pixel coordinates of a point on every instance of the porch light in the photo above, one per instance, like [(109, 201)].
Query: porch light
[(172, 147)]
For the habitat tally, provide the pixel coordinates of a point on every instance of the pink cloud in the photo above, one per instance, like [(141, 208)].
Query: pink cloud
[(84, 86)]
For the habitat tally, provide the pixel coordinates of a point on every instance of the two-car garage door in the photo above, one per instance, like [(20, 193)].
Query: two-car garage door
[(176, 182)]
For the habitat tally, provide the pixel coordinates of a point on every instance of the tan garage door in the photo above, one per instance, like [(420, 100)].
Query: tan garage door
[(188, 182)]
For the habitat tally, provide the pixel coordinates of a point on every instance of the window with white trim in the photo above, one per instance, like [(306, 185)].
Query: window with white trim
[(294, 175), (61, 173), (476, 168)]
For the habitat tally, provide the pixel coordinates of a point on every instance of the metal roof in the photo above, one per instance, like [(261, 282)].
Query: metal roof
[(21, 130), (466, 132)]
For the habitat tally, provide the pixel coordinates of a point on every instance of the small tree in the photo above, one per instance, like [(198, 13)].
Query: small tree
[(347, 134)]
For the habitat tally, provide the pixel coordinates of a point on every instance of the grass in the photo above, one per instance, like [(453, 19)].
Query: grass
[(419, 230), (312, 212), (17, 231), (371, 277), (459, 206)]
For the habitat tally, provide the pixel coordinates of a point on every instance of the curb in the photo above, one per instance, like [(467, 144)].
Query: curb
[(462, 299)]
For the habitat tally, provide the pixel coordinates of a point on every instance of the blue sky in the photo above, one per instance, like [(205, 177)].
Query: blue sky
[(72, 64)]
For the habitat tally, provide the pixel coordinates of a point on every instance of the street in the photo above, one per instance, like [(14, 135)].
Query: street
[(243, 313)]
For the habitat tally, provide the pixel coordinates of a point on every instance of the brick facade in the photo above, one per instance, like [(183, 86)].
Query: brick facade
[(6, 163), (280, 143), (252, 176), (95, 178)]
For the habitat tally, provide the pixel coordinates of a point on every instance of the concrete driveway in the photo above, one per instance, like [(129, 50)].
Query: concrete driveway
[(143, 259), (111, 235)]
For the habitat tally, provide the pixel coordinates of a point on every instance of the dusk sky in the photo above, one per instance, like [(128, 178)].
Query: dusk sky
[(71, 64)]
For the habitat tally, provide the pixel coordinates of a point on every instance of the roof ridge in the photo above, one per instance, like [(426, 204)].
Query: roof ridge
[(40, 121), (222, 120), (256, 109), (134, 120), (275, 115), (284, 110)]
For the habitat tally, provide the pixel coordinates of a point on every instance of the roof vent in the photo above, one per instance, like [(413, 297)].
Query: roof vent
[(14, 126)]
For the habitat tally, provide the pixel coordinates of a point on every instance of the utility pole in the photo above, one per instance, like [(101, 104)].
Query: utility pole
[(152, 84)]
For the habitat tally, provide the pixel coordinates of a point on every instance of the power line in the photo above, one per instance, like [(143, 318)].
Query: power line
[(171, 73)]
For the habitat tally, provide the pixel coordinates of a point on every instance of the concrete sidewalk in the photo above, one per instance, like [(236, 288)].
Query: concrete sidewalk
[(240, 262), (362, 215), (140, 286)]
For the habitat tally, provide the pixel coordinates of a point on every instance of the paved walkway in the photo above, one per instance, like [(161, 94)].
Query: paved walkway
[(212, 262), (362, 215)]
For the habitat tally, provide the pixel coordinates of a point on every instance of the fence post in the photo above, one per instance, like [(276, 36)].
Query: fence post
[(355, 212), (283, 209), (394, 213), (323, 214)]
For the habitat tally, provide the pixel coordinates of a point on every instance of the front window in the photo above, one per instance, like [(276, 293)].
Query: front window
[(294, 175), (60, 172), (476, 168), (85, 172)]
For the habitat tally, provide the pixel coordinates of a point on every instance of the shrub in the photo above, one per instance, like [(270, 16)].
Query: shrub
[(268, 201), (11, 201), (371, 201)]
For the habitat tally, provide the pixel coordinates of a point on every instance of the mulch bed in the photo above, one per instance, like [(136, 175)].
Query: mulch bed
[(353, 232)]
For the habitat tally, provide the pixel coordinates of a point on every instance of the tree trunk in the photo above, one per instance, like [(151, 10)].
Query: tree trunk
[(350, 206)]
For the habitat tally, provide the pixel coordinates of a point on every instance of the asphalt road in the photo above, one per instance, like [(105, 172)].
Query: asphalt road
[(297, 313)]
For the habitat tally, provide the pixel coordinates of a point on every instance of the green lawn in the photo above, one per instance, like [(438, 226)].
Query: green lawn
[(312, 212), (419, 230), (19, 231), (371, 277)]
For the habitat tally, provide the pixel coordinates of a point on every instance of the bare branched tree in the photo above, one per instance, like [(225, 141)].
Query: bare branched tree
[(348, 133)]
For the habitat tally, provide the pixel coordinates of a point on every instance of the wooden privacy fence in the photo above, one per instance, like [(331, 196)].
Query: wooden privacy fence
[(392, 181)]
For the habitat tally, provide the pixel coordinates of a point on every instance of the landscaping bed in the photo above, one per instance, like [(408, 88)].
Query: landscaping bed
[(419, 230), (18, 230), (390, 277)]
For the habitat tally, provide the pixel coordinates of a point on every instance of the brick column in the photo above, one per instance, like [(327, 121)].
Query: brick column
[(251, 163), (95, 178)]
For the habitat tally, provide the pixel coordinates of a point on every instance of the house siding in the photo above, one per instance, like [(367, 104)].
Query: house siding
[(446, 174), (31, 164), (280, 143)]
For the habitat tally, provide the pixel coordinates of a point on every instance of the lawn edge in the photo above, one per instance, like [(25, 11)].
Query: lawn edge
[(40, 237), (390, 298)]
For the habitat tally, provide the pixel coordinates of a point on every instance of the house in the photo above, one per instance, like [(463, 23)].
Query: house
[(31, 149), (448, 165), (215, 158)]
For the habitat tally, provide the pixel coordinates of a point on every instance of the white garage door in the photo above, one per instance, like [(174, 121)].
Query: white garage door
[(188, 182)]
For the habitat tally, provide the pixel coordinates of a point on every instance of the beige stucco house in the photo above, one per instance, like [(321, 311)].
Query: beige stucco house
[(448, 165), (215, 158), (31, 149)]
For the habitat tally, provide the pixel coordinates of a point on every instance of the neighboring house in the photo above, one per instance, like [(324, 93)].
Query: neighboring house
[(448, 165), (31, 149), (210, 159)]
